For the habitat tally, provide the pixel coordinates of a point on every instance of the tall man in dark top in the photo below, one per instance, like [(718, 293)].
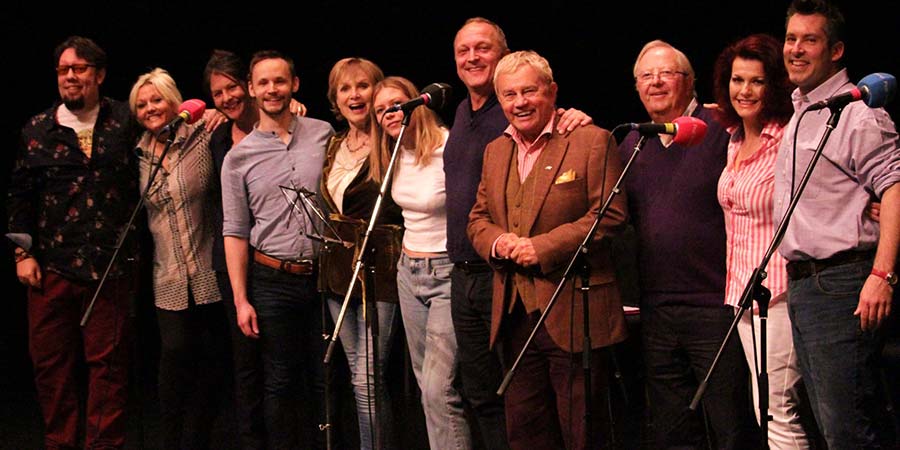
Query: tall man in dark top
[(72, 189), (681, 232), (477, 48)]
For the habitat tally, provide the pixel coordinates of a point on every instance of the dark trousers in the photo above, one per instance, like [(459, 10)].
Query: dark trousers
[(58, 343), (679, 344), (248, 378), (470, 297), (193, 346), (545, 401), (289, 315)]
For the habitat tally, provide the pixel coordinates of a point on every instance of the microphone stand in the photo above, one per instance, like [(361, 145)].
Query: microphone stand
[(754, 290), (361, 256), (307, 205), (371, 314), (578, 258), (124, 233)]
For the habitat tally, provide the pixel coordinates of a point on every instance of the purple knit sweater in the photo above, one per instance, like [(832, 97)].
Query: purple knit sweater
[(679, 224)]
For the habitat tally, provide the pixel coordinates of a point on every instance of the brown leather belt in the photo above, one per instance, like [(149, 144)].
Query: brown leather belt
[(802, 269), (301, 267)]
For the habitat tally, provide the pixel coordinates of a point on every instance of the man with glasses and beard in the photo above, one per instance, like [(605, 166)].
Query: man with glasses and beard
[(72, 187)]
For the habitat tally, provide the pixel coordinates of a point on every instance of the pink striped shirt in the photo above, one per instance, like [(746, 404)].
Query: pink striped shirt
[(746, 197), (529, 152)]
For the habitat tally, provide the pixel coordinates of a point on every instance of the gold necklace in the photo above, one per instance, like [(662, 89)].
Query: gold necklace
[(358, 147)]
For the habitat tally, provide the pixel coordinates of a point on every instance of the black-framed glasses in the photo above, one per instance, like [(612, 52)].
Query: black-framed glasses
[(77, 68)]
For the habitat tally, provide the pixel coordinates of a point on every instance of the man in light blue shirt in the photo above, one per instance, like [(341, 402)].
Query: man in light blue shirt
[(840, 262), (275, 294)]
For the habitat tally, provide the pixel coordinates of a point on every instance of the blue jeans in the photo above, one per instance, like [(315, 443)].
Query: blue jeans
[(288, 313), (837, 359), (423, 285), (357, 343)]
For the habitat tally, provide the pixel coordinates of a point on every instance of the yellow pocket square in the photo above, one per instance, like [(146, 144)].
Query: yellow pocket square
[(566, 177)]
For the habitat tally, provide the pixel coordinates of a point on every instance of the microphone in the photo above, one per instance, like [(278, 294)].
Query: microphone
[(190, 111), (435, 95), (687, 130), (875, 90)]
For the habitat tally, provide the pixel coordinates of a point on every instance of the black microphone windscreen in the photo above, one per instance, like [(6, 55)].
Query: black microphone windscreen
[(439, 93)]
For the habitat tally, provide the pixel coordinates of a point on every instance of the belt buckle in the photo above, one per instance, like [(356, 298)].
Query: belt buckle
[(301, 265)]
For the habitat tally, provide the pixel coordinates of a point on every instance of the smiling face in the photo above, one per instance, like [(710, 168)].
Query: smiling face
[(78, 90), (391, 122), (354, 97), (747, 88), (808, 57), (152, 110), (272, 85), (228, 95), (528, 100), (477, 51), (665, 88)]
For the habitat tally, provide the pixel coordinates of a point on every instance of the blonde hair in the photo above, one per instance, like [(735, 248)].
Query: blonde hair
[(514, 61), (162, 81), (424, 124)]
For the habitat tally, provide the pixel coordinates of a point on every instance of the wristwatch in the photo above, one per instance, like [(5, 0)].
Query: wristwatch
[(890, 277)]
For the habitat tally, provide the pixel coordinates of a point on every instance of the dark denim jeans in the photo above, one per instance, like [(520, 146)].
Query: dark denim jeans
[(471, 296), (288, 311), (838, 360)]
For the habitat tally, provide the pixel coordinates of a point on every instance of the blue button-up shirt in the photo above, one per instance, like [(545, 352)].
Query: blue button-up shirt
[(254, 205), (860, 159)]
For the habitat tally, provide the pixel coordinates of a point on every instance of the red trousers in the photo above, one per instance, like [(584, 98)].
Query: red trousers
[(58, 343)]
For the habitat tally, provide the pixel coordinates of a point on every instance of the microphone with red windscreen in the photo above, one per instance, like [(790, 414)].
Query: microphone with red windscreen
[(190, 111), (687, 130)]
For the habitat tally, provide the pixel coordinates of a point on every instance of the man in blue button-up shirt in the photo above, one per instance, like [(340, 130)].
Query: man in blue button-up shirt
[(275, 295), (840, 262)]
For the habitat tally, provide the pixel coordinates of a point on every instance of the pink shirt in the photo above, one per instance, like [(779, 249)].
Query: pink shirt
[(747, 198), (526, 156), (529, 153)]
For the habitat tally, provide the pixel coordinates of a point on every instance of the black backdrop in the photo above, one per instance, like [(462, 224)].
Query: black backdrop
[(591, 47)]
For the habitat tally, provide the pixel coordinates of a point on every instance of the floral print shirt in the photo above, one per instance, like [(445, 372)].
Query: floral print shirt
[(67, 208)]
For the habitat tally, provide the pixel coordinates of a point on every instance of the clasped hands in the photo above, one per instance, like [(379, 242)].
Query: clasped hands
[(517, 249)]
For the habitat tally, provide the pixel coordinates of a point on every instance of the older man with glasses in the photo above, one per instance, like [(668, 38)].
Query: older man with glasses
[(681, 232)]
